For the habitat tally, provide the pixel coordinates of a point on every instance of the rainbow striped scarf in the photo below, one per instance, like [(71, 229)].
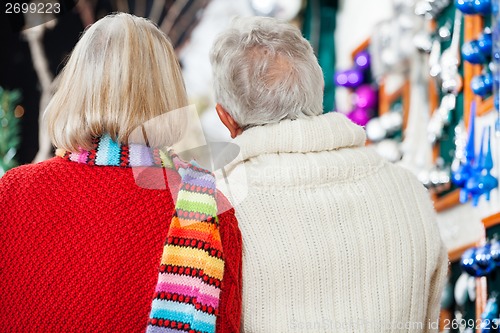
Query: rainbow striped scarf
[(187, 294)]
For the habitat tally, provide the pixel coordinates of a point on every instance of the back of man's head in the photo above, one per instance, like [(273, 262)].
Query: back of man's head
[(265, 71)]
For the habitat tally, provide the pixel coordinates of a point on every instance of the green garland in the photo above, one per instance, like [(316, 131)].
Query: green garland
[(10, 131)]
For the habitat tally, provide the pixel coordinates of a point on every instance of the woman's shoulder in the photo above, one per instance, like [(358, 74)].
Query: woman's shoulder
[(25, 173)]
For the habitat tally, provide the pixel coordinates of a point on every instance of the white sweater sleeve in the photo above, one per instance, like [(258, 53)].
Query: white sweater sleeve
[(436, 289)]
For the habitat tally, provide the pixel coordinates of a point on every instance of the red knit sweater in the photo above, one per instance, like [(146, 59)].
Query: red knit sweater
[(81, 245)]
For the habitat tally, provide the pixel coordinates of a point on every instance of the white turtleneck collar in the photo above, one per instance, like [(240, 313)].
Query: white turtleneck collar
[(303, 152), (329, 131)]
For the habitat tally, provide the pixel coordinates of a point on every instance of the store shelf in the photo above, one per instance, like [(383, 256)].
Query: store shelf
[(491, 220), (447, 201)]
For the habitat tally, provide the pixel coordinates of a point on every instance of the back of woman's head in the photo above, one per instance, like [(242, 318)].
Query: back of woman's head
[(122, 73)]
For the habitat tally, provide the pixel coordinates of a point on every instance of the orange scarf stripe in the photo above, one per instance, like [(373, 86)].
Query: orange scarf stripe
[(194, 258), (201, 228)]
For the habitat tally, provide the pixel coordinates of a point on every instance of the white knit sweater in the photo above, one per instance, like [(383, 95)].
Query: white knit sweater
[(334, 238)]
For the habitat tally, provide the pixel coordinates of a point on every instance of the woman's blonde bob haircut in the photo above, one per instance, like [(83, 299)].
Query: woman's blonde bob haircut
[(122, 73)]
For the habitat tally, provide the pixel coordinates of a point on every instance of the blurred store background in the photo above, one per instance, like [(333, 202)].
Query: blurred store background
[(422, 77)]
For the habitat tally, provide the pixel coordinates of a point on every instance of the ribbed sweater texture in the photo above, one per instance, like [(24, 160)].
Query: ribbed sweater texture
[(335, 239), (81, 246)]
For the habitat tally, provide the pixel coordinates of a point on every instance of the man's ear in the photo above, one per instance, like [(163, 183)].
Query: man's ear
[(228, 121)]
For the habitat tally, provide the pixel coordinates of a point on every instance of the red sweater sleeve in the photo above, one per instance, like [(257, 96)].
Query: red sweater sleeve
[(230, 302)]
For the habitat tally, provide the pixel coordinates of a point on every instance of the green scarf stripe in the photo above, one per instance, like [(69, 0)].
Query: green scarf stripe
[(204, 198), (198, 207)]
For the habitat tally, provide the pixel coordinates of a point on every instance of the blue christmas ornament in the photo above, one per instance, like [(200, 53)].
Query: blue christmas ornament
[(487, 326), (460, 177), (496, 56), (472, 53), (491, 309), (468, 261), (464, 173), (482, 182), (495, 251), (489, 316), (485, 43), (478, 261), (477, 85), (465, 6), (482, 7), (482, 85), (494, 8), (471, 7), (484, 262), (487, 182)]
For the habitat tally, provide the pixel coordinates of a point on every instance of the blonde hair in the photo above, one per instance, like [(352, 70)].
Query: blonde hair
[(122, 73)]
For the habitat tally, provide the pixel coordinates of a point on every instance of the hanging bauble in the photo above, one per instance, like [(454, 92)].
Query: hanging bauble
[(471, 288), (489, 317), (465, 170), (438, 176), (482, 182), (484, 261), (482, 7), (482, 85), (392, 121), (350, 78), (471, 53), (375, 131), (465, 6), (461, 174), (362, 60), (495, 251), (359, 116), (389, 149), (472, 189), (491, 310), (460, 291), (468, 261), (485, 43), (365, 97), (486, 181), (471, 7)]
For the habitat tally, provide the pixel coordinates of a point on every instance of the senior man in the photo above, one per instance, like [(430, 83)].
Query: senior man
[(335, 239)]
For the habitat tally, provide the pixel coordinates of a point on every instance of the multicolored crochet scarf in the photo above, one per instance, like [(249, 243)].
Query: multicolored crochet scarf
[(187, 294)]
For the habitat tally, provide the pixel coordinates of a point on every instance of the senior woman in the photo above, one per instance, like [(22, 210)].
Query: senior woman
[(84, 248)]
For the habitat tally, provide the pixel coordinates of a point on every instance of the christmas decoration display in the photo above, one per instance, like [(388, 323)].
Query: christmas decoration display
[(448, 78), (496, 62), (365, 94), (472, 7), (10, 132)]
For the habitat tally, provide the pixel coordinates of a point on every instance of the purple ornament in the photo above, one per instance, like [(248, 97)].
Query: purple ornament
[(350, 78), (362, 60), (359, 116), (366, 97)]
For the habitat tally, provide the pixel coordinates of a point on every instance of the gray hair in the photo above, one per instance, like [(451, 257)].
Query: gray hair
[(265, 71)]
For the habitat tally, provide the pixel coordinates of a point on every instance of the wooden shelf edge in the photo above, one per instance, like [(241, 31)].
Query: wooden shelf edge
[(363, 46), (491, 220), (456, 254), (447, 201)]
